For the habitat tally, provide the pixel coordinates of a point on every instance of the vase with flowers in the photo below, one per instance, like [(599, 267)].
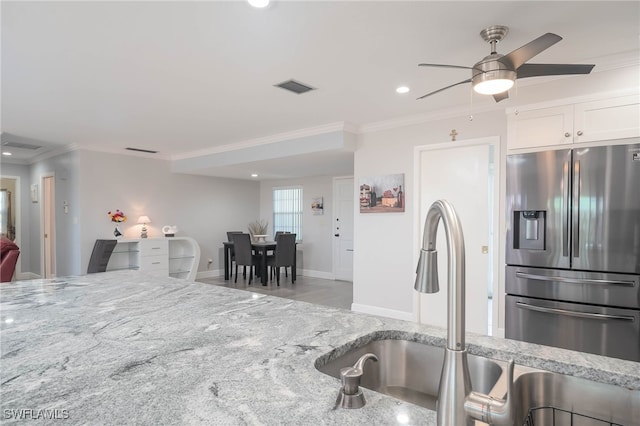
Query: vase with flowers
[(117, 217)]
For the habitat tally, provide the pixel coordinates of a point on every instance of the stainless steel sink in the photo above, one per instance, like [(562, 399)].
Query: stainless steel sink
[(410, 371), (543, 398)]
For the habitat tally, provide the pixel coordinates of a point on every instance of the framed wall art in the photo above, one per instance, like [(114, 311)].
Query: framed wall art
[(34, 192), (317, 206), (382, 194)]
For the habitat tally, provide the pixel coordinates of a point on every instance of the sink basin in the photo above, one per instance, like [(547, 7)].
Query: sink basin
[(544, 398), (410, 371)]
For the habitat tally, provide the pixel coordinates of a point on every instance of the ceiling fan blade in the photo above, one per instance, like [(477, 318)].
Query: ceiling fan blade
[(521, 55), (445, 66), (501, 96), (539, 70), (444, 88)]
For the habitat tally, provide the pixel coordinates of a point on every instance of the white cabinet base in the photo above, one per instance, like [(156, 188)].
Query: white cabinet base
[(177, 257)]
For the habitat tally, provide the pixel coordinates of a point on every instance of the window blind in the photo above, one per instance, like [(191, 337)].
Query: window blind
[(287, 210)]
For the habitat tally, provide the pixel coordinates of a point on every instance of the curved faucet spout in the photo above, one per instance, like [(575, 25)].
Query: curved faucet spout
[(427, 274), (457, 404)]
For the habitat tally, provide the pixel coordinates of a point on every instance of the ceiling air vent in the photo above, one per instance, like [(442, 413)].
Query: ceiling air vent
[(21, 145), (148, 151), (295, 87)]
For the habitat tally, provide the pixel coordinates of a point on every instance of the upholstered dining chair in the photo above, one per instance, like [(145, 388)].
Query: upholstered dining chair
[(244, 254), (9, 253), (232, 252), (275, 238), (284, 256)]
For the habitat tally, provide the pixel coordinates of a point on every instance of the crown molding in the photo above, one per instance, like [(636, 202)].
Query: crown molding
[(53, 153), (295, 134)]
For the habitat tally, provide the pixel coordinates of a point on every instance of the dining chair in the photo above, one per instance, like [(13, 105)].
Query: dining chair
[(244, 255), (232, 252), (275, 238), (284, 256)]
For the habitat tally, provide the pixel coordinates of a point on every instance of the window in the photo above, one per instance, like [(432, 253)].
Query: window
[(287, 210)]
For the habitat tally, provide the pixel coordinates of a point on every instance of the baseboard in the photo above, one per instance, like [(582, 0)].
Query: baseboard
[(383, 312), (211, 273), (315, 274), (27, 276)]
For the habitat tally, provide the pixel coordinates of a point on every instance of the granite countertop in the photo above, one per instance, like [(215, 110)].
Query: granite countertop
[(124, 347)]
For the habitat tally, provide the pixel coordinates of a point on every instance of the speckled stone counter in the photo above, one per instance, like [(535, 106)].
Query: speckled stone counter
[(127, 348)]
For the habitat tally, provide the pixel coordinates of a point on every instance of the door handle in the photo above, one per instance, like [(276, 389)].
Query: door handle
[(574, 280), (575, 227), (565, 210), (336, 235), (573, 313)]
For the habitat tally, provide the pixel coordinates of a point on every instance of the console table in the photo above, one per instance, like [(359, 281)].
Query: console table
[(177, 257)]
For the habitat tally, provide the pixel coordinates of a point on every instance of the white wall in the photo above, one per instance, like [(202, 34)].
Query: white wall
[(386, 244), (315, 258), (202, 207), (67, 233)]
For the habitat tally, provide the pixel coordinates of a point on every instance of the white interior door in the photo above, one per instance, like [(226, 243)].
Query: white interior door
[(48, 227), (462, 174), (343, 228)]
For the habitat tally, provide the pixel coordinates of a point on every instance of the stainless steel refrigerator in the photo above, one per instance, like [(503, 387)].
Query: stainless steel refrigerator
[(573, 249)]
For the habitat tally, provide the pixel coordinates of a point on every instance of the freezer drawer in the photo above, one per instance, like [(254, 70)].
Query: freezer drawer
[(595, 329), (597, 288)]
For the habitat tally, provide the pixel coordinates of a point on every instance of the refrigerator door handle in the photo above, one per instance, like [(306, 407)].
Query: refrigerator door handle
[(573, 313), (573, 280), (566, 217), (575, 227)]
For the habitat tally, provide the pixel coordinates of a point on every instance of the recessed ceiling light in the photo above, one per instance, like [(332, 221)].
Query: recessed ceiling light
[(402, 89), (6, 153), (259, 3), (254, 175)]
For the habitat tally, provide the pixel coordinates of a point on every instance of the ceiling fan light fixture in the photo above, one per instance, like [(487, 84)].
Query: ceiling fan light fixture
[(494, 82), (259, 4)]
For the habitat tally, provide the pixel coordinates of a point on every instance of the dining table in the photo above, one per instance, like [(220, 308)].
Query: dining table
[(261, 248)]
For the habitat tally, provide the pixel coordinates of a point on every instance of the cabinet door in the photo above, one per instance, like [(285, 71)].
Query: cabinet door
[(540, 127), (607, 119)]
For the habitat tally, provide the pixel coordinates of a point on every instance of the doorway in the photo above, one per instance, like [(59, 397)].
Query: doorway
[(48, 227), (465, 174), (343, 212), (10, 213)]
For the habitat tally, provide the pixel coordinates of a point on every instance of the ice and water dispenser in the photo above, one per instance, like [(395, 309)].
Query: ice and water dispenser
[(529, 229)]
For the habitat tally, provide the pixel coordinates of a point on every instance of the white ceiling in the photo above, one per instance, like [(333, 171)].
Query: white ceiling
[(183, 78)]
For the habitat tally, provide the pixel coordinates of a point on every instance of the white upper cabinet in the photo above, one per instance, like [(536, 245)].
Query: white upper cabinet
[(598, 120), (540, 127), (616, 118)]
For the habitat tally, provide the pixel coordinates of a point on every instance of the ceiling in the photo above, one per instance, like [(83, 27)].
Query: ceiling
[(192, 80)]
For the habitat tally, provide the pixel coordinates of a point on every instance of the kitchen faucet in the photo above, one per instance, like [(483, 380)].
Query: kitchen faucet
[(457, 404)]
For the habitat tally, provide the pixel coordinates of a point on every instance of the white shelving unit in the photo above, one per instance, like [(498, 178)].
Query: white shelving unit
[(126, 255), (177, 257), (184, 257)]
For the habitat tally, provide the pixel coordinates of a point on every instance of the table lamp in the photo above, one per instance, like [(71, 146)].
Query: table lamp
[(144, 220)]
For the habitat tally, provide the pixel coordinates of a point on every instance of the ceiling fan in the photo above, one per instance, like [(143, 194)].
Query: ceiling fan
[(495, 74)]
